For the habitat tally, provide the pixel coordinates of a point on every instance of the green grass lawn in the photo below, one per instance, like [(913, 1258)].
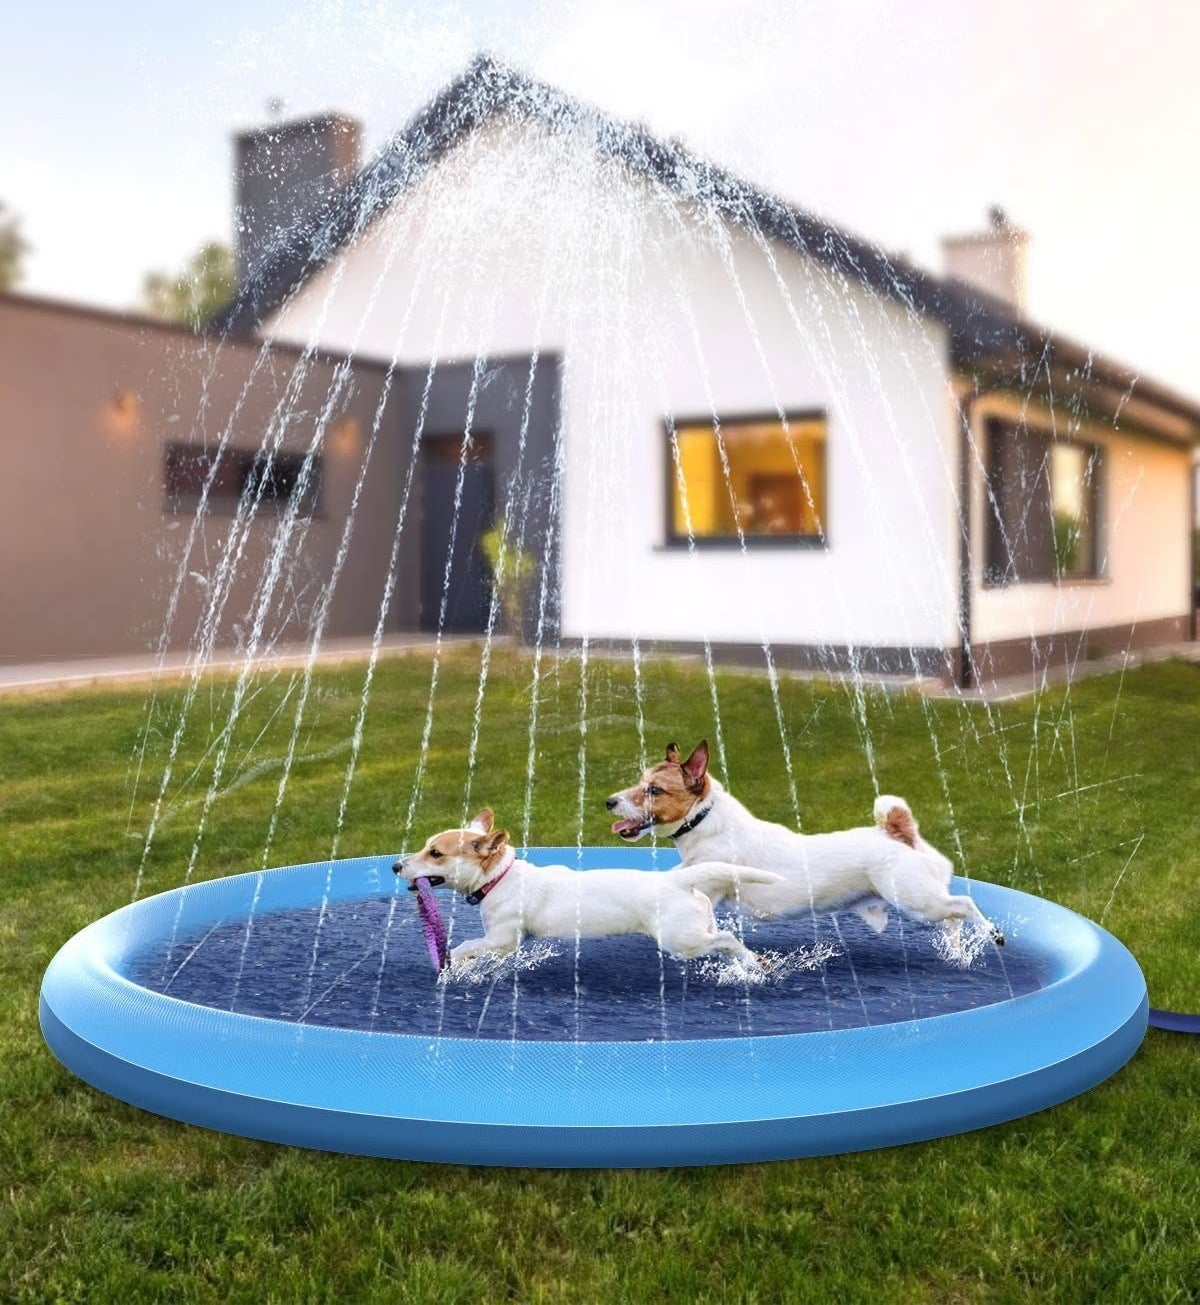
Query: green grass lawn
[(1090, 796)]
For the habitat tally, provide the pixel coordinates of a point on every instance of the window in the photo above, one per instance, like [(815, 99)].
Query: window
[(759, 478), (1043, 506), (188, 468), (238, 473)]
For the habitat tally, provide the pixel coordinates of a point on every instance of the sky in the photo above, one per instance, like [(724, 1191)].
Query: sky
[(902, 120)]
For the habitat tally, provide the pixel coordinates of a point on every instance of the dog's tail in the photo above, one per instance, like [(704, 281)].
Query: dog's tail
[(720, 879), (895, 818)]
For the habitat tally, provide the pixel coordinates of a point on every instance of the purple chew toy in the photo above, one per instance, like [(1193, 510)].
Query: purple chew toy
[(431, 922)]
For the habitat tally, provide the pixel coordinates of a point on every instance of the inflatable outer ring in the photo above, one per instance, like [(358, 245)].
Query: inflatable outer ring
[(598, 1104)]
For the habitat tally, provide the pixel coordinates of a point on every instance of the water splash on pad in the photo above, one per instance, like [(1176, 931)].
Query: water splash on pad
[(489, 968), (777, 967)]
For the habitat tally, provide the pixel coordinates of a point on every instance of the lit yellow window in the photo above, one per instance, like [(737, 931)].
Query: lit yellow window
[(757, 478)]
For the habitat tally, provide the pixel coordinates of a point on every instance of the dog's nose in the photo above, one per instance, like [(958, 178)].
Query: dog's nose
[(398, 866), (611, 803)]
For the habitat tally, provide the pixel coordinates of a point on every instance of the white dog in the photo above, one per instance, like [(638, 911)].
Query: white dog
[(518, 899), (862, 870)]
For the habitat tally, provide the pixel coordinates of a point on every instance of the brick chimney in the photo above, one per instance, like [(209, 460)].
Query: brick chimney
[(284, 175), (992, 261)]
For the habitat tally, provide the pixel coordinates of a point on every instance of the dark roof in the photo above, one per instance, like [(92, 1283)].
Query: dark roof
[(988, 337), (142, 323)]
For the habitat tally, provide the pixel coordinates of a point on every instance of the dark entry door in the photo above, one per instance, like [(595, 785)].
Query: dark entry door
[(467, 588)]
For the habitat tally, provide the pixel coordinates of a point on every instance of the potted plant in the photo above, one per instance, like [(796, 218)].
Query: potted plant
[(512, 569)]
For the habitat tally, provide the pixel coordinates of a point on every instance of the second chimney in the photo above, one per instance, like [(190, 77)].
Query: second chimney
[(285, 174), (992, 261)]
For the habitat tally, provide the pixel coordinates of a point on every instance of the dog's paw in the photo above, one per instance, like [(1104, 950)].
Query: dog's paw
[(763, 963)]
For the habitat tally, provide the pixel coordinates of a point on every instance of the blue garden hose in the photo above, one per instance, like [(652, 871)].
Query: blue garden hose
[(1174, 1021)]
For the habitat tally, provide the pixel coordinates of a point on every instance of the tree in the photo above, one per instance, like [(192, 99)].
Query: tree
[(194, 296), (13, 249)]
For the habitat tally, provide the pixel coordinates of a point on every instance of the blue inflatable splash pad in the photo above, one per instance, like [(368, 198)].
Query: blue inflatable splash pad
[(298, 1005)]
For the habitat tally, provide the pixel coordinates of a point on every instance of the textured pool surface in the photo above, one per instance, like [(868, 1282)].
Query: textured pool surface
[(368, 974)]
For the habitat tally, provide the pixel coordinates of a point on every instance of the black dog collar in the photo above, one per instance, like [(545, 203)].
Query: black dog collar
[(692, 821)]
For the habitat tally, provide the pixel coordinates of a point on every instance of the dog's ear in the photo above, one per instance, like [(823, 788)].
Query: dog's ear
[(481, 821), (673, 753), (696, 766), (491, 843)]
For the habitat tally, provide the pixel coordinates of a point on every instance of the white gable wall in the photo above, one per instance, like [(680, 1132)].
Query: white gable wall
[(518, 240)]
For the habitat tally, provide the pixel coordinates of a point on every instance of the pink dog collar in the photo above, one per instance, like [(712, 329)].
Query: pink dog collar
[(482, 891)]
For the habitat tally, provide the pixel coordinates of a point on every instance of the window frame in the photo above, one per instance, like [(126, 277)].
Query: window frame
[(672, 540), (996, 427)]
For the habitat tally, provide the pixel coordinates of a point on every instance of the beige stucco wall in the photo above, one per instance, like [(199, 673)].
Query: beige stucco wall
[(89, 556), (1144, 542)]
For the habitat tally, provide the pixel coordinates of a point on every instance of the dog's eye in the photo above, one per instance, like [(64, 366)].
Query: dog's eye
[(433, 852), (652, 790)]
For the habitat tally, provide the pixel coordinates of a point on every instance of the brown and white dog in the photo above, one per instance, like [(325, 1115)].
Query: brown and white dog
[(520, 900), (862, 870)]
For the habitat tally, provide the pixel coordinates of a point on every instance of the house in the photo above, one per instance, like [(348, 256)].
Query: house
[(751, 428), (711, 421)]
